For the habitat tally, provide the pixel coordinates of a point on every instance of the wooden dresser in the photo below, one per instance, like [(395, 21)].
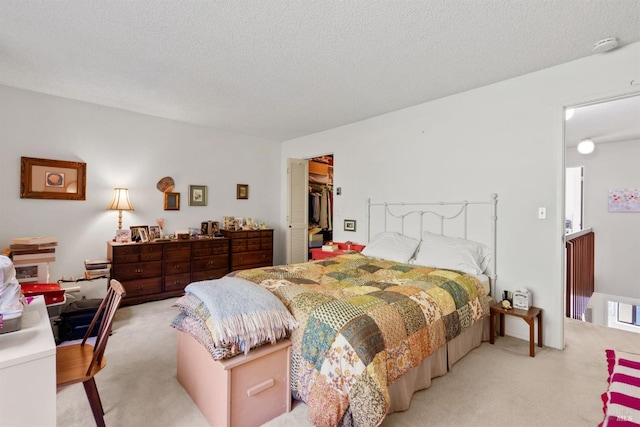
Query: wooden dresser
[(157, 270), (250, 248)]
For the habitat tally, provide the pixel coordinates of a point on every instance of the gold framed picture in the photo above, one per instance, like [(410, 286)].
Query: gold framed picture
[(52, 179), (171, 201), (242, 191)]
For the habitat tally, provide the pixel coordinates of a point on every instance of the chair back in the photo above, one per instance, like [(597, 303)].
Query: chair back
[(109, 305)]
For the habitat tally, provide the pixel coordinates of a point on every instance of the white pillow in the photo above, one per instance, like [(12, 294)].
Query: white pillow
[(392, 247), (453, 253)]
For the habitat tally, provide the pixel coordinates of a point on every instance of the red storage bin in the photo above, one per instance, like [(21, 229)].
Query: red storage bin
[(51, 291)]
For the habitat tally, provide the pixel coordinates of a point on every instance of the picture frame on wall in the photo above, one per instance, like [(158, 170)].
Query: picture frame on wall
[(197, 195), (242, 191), (52, 179), (171, 201), (349, 225)]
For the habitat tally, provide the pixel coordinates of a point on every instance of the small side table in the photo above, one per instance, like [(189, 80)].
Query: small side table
[(527, 315)]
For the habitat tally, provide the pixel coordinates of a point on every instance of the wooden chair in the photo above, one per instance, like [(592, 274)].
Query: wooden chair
[(81, 362)]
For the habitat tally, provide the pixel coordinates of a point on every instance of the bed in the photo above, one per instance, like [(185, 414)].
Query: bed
[(367, 329)]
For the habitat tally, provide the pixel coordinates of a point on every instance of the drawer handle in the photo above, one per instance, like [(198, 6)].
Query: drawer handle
[(177, 266), (260, 387)]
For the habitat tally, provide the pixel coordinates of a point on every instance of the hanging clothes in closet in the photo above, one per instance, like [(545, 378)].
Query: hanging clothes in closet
[(320, 206)]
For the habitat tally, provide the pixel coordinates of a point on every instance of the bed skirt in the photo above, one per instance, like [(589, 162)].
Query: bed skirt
[(436, 365)]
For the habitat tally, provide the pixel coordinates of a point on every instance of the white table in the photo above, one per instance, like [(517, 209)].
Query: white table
[(28, 370)]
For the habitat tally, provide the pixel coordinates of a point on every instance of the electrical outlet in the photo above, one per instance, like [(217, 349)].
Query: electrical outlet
[(542, 213), (338, 191)]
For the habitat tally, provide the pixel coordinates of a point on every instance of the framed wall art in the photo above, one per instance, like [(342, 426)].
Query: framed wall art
[(197, 195), (52, 179), (171, 201), (242, 191), (349, 225), (624, 200)]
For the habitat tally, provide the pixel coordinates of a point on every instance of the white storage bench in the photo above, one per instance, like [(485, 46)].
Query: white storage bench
[(241, 391)]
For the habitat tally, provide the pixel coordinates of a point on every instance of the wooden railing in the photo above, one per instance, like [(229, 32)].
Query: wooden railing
[(580, 272)]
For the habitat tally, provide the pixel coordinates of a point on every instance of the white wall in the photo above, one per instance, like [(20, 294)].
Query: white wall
[(125, 149), (617, 245), (505, 138)]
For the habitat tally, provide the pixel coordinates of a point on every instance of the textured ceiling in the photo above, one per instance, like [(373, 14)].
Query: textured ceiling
[(283, 69)]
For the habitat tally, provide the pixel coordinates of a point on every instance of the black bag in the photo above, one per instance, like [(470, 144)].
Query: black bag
[(76, 318)]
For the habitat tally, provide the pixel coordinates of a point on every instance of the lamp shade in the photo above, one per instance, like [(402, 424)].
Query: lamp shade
[(120, 201)]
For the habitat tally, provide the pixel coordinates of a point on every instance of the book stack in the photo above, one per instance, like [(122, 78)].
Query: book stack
[(95, 268), (31, 257)]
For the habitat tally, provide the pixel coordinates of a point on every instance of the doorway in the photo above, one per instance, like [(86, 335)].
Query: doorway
[(320, 218), (612, 126)]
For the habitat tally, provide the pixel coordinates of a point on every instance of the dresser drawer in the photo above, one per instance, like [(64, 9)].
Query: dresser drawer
[(239, 245), (125, 253), (220, 246), (176, 282), (209, 263), (177, 251), (136, 288), (177, 267), (241, 391), (253, 244), (197, 276), (138, 270), (266, 242), (259, 258), (151, 252), (260, 383)]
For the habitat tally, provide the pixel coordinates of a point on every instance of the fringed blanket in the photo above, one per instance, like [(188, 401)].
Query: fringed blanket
[(364, 322), (242, 313)]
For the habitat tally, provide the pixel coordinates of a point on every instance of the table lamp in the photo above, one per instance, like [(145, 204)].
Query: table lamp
[(120, 202)]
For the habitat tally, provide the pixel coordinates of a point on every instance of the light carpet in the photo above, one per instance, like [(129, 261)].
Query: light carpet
[(493, 385)]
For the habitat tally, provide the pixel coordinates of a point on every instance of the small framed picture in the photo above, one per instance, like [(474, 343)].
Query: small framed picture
[(123, 236), (349, 225), (242, 191), (154, 232), (138, 232), (171, 201), (197, 195)]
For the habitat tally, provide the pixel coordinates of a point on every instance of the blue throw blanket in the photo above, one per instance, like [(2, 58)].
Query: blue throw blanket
[(242, 312)]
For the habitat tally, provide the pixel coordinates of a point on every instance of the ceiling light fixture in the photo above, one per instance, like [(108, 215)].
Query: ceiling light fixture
[(586, 146)]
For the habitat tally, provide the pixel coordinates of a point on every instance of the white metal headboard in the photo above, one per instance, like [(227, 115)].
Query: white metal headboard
[(405, 212)]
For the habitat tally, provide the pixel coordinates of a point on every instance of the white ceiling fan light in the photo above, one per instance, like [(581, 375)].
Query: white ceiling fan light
[(586, 146)]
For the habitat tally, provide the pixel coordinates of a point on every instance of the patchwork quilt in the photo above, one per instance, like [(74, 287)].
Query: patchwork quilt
[(364, 322)]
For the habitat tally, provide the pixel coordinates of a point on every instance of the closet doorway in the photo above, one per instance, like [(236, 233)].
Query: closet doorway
[(305, 179), (320, 212)]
